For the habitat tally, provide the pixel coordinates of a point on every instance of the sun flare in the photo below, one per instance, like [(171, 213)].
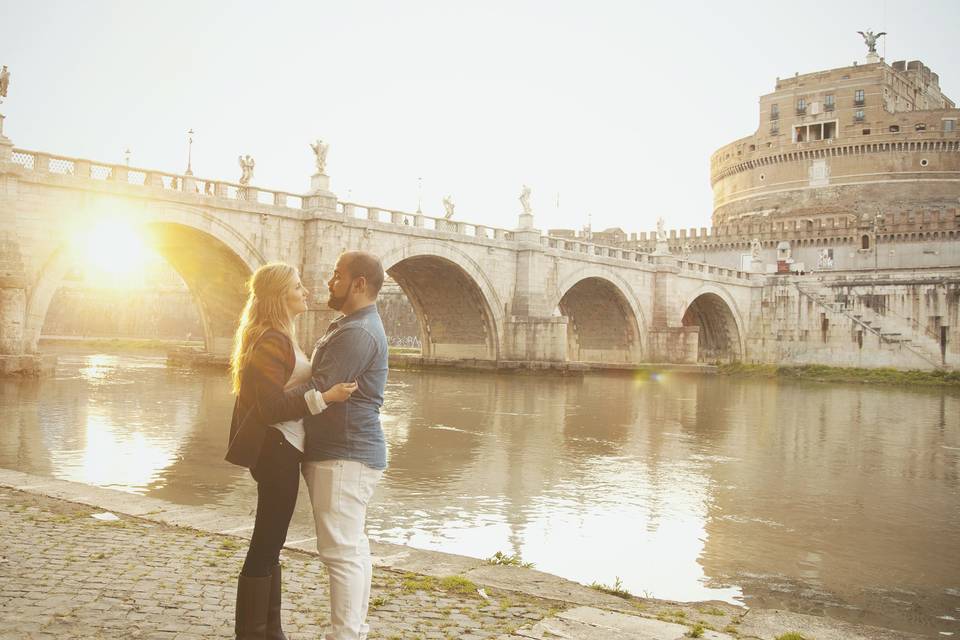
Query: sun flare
[(114, 253)]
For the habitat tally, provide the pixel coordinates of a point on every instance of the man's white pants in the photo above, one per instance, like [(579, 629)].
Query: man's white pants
[(339, 493)]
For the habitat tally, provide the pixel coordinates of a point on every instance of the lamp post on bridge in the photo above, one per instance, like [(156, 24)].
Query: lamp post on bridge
[(419, 195)]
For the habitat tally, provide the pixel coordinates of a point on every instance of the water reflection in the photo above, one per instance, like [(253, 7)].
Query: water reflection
[(832, 500)]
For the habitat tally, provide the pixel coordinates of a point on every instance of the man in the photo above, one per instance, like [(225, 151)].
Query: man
[(345, 452)]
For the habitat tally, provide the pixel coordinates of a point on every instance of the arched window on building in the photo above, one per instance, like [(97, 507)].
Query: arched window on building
[(865, 241)]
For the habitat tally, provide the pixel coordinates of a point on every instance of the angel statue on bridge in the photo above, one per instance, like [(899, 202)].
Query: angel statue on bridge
[(525, 200), (4, 82), (448, 206), (320, 151), (870, 38), (246, 167)]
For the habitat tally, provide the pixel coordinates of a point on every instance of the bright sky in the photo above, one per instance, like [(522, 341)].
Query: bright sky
[(615, 106)]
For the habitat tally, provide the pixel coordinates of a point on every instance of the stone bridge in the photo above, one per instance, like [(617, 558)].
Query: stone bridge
[(480, 293)]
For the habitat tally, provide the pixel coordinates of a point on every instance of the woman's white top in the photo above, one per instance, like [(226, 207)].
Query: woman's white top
[(293, 430)]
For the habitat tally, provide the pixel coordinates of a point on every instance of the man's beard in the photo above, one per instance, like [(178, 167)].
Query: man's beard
[(336, 302)]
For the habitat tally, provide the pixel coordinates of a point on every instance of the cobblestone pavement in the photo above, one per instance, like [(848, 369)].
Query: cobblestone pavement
[(65, 574)]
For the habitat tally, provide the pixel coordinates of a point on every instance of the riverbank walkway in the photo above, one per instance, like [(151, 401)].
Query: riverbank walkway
[(151, 569)]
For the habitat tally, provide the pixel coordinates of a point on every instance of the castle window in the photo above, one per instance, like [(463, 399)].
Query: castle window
[(949, 124), (858, 98), (858, 115), (828, 103), (894, 128), (774, 111), (865, 241), (801, 106), (866, 132), (920, 126)]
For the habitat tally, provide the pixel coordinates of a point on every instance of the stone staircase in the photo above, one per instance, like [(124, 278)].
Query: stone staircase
[(888, 327)]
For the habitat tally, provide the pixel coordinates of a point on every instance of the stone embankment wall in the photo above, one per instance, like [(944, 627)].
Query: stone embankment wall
[(907, 321), (131, 314)]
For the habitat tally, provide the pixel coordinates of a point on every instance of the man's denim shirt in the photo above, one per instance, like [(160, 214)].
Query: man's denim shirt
[(353, 348)]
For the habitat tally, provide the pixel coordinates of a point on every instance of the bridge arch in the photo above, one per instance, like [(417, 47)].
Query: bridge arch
[(458, 310), (604, 322), (714, 311), (211, 257)]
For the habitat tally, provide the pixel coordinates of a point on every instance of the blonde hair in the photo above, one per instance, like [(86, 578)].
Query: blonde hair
[(265, 309)]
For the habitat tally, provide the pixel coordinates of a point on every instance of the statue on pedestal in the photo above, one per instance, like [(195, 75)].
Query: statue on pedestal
[(320, 151), (246, 167), (525, 200), (4, 82), (870, 38), (661, 230), (824, 259), (755, 248), (448, 206)]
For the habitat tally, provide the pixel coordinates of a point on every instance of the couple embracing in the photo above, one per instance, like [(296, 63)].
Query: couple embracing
[(318, 416)]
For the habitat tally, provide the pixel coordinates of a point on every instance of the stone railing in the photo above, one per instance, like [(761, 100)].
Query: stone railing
[(46, 163), (421, 221), (582, 246), (711, 270), (120, 173)]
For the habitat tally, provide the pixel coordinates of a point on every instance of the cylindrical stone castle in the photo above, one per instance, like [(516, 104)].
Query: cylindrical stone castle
[(835, 144)]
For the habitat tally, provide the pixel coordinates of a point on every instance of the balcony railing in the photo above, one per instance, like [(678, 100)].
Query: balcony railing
[(859, 103), (801, 111), (828, 106)]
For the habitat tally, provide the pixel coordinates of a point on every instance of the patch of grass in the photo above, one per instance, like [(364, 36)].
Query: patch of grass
[(458, 584), (230, 543), (823, 373), (696, 631), (793, 635), (615, 590), (415, 582), (503, 559), (379, 601), (712, 611)]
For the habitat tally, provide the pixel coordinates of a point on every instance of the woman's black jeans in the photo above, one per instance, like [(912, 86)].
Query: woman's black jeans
[(277, 473)]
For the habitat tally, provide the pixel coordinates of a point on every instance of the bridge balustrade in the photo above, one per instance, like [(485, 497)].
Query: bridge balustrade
[(87, 169)]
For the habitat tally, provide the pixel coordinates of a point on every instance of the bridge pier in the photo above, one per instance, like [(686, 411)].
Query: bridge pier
[(14, 359), (666, 343), (535, 339)]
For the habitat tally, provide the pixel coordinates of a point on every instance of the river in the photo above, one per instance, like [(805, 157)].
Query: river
[(836, 500)]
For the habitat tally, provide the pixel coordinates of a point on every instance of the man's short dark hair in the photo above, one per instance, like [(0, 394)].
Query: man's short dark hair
[(367, 265)]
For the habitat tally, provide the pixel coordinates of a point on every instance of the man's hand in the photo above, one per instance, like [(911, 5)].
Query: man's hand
[(339, 392)]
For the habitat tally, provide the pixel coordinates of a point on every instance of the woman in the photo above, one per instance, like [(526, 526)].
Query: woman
[(267, 435)]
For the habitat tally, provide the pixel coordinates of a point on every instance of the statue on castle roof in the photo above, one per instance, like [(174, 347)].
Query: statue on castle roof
[(870, 38), (4, 81), (448, 207), (320, 152)]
